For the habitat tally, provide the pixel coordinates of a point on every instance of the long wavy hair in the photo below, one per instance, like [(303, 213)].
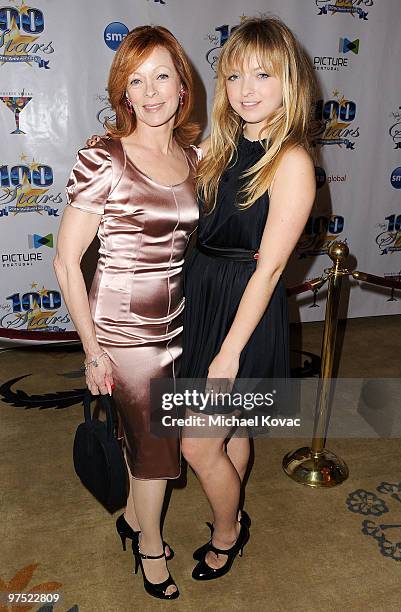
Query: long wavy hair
[(135, 49), (279, 53)]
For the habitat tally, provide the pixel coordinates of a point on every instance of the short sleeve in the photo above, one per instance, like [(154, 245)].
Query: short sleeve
[(90, 181)]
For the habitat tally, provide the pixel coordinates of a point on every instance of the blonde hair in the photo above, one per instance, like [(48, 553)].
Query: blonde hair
[(279, 53), (135, 49)]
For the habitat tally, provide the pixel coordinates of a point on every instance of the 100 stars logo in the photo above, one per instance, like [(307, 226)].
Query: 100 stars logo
[(319, 234), (217, 39), (389, 238), (35, 310), (350, 7), (20, 28), (333, 122), (25, 188)]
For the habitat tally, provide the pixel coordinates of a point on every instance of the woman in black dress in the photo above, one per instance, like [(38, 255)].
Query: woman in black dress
[(256, 186)]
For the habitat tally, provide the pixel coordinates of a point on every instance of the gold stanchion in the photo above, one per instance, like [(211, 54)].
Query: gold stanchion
[(316, 466)]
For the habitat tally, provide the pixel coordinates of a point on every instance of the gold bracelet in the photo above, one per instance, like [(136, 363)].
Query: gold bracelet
[(94, 361)]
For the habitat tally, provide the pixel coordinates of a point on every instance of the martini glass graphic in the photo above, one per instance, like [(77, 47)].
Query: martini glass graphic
[(16, 104)]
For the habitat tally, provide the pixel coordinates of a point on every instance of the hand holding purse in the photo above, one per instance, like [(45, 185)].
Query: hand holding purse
[(98, 458)]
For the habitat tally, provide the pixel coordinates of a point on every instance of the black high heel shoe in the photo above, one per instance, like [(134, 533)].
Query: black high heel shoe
[(203, 571), (155, 589), (200, 552), (125, 531)]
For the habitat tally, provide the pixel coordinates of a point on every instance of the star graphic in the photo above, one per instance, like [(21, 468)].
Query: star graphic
[(43, 292), (34, 285), (23, 8), (28, 195), (336, 93), (34, 165), (17, 38), (23, 157), (37, 320)]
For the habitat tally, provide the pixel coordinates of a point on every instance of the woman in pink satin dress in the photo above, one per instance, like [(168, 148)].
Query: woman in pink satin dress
[(135, 189)]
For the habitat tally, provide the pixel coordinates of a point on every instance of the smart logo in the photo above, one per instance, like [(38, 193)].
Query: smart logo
[(396, 178), (347, 45), (114, 34), (36, 242), (20, 28)]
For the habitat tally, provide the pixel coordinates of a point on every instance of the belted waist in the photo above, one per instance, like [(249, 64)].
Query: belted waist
[(232, 254)]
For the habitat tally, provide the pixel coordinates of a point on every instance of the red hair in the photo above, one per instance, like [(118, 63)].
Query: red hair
[(135, 48)]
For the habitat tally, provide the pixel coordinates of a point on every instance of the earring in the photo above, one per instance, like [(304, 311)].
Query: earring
[(128, 103), (181, 95)]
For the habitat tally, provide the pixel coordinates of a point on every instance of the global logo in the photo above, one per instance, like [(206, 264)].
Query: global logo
[(25, 189), (114, 34), (395, 129), (20, 28), (337, 178), (389, 238), (332, 122), (347, 46), (396, 178), (319, 234), (352, 7), (34, 310)]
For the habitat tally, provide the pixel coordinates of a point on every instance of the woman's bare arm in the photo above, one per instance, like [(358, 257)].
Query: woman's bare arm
[(77, 230), (291, 201)]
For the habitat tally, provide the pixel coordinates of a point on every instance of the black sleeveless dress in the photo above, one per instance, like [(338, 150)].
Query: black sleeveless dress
[(213, 287)]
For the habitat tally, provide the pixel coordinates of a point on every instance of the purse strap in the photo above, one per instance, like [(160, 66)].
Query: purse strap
[(107, 405)]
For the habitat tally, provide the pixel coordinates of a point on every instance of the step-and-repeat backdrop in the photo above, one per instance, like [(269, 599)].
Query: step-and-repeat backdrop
[(54, 62)]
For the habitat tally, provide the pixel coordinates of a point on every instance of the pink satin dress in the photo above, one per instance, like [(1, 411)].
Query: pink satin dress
[(136, 298)]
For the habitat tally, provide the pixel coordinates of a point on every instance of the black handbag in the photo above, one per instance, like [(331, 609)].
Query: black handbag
[(98, 458)]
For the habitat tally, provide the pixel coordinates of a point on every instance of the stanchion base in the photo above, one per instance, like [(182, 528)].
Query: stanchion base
[(322, 469)]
